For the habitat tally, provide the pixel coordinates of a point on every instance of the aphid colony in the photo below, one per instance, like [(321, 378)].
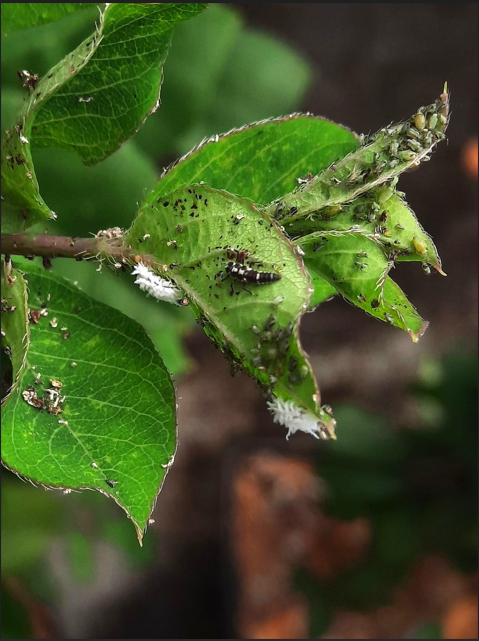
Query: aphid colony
[(379, 159)]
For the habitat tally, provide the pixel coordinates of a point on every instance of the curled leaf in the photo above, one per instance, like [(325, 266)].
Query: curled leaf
[(382, 158), (358, 269), (207, 239), (15, 327), (388, 219)]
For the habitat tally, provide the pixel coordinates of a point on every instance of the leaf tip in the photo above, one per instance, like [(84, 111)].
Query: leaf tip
[(438, 268), (445, 98), (415, 336), (328, 423), (139, 534)]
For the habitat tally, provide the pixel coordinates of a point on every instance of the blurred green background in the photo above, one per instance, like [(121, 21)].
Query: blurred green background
[(406, 457)]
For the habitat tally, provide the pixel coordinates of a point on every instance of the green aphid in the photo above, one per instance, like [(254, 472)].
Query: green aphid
[(419, 121), (414, 145), (406, 155), (432, 122), (427, 139), (413, 133), (361, 266), (331, 211), (419, 245), (394, 148), (385, 194)]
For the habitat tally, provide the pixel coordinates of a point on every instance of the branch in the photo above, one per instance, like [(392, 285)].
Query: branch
[(107, 244)]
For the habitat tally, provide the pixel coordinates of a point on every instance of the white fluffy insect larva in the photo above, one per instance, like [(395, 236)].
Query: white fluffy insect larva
[(295, 418), (155, 286)]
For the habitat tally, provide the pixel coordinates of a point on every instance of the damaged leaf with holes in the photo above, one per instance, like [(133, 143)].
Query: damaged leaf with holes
[(108, 87), (94, 406), (194, 231)]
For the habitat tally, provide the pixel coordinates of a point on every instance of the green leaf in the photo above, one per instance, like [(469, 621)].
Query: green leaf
[(323, 290), (90, 102), (390, 220), (116, 431), (15, 330), (111, 83), (256, 326), (23, 15), (358, 268), (263, 160), (166, 325), (389, 153), (22, 206)]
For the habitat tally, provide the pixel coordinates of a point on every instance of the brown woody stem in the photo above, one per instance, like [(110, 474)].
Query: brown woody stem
[(26, 244)]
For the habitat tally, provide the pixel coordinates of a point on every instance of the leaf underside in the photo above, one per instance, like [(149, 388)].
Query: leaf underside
[(256, 326)]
